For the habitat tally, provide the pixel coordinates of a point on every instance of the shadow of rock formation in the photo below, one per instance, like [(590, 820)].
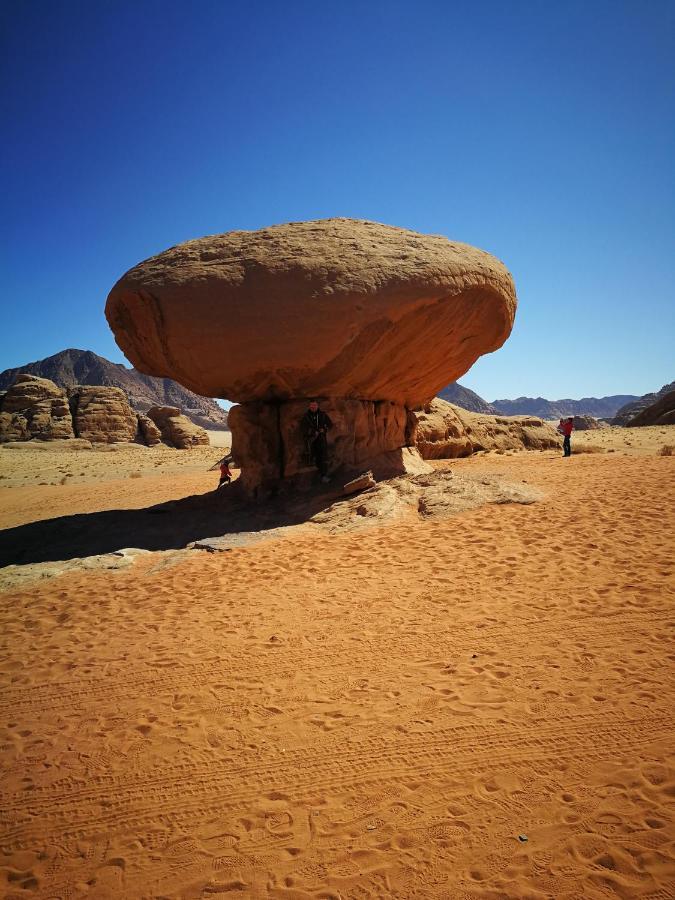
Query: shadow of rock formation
[(226, 519)]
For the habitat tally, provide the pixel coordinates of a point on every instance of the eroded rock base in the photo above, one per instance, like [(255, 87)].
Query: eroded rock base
[(269, 445)]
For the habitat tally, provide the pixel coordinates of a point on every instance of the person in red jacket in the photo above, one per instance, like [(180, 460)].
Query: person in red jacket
[(566, 427), (225, 474)]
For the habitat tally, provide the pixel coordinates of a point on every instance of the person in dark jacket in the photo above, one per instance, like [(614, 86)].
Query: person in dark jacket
[(316, 425)]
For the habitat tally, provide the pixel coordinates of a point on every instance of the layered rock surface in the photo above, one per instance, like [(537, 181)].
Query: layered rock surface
[(269, 445), (103, 414), (176, 429), (445, 431), (345, 310), (70, 368), (34, 408)]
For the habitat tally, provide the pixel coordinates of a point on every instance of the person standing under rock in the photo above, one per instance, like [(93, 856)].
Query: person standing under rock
[(566, 427), (315, 425), (225, 473)]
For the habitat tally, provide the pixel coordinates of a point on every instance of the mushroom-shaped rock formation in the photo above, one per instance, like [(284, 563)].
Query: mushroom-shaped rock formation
[(353, 312)]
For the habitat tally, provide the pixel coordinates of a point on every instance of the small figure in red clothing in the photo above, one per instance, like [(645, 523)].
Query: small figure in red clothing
[(225, 474), (566, 427)]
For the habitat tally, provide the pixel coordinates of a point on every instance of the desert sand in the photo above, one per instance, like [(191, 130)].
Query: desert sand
[(474, 707)]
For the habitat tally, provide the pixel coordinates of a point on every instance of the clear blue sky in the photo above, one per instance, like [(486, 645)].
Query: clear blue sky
[(543, 132)]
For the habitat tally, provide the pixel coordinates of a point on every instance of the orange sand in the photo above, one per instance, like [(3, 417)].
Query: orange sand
[(375, 714)]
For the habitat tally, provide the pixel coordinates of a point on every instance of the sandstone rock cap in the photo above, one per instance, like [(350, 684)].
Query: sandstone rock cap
[(333, 308)]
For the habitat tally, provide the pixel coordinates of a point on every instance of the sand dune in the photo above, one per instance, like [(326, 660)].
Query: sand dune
[(480, 707)]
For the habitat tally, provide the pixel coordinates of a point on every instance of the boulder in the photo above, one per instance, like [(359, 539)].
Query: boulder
[(340, 309), (362, 482), (102, 414), (148, 432), (35, 408), (445, 431), (586, 423), (176, 429), (661, 412)]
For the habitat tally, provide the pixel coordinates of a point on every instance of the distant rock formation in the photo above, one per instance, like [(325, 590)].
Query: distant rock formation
[(176, 429), (661, 412), (586, 423), (445, 431), (82, 367), (350, 311), (102, 415), (628, 412), (460, 396), (35, 408), (599, 407)]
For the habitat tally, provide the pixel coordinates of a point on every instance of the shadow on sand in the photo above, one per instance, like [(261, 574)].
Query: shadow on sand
[(167, 526)]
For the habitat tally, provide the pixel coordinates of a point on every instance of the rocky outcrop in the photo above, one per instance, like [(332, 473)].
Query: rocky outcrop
[(349, 311), (445, 431), (34, 408), (440, 432), (508, 432), (102, 414), (586, 423), (627, 413), (148, 432), (661, 412), (74, 367), (176, 429)]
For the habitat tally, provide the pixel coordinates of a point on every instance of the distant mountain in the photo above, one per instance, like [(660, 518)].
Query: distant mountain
[(71, 367), (599, 407), (461, 396), (628, 412)]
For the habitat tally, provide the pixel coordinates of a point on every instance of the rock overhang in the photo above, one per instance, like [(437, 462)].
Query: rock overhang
[(332, 308)]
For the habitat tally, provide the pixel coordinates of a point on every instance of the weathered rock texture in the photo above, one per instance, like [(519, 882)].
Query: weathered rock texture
[(148, 432), (176, 429), (340, 309), (445, 431), (74, 367), (661, 412), (34, 408), (102, 414), (268, 443), (440, 432), (586, 423)]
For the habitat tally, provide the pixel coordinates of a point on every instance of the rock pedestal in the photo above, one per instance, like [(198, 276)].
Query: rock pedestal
[(269, 445)]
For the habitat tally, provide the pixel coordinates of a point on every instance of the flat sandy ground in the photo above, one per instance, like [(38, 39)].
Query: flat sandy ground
[(476, 707)]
